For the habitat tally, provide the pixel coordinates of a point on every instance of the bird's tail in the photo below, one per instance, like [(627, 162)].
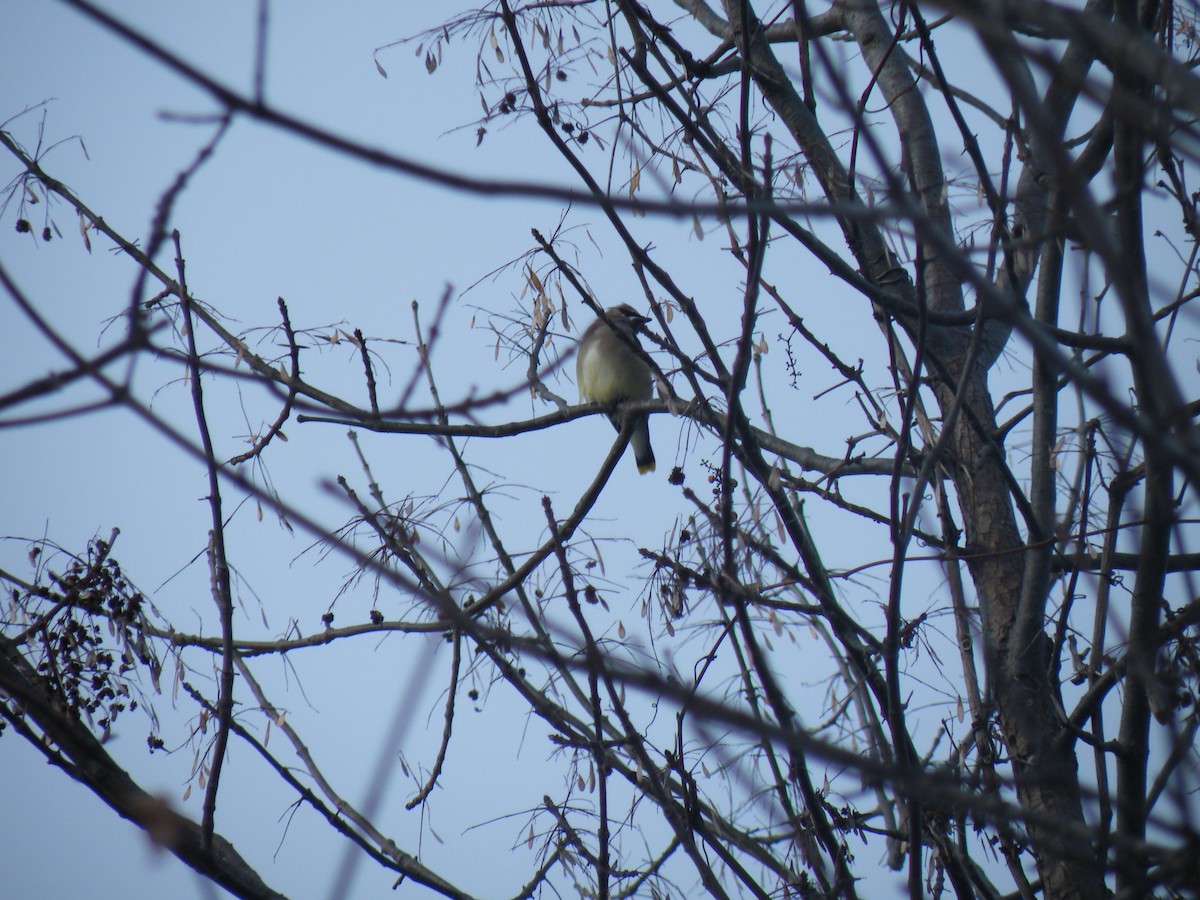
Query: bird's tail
[(640, 439)]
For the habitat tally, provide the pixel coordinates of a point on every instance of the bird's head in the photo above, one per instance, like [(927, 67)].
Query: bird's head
[(626, 317)]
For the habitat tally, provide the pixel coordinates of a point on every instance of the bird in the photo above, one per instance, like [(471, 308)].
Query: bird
[(608, 371)]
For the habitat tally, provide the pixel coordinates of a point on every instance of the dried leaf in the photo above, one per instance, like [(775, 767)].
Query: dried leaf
[(380, 69), (1055, 455)]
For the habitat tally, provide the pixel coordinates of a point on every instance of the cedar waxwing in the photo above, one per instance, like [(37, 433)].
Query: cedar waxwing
[(609, 372)]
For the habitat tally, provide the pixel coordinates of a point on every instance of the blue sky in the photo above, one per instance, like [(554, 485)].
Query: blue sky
[(347, 245), (343, 243), (269, 217)]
